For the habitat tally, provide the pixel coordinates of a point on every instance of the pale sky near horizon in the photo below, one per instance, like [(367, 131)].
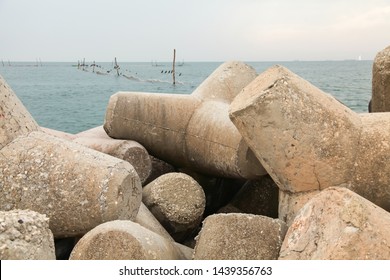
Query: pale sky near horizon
[(200, 30)]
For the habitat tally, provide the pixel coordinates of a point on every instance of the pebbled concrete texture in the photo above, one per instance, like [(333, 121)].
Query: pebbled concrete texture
[(25, 235), (41, 174), (177, 201), (97, 139)]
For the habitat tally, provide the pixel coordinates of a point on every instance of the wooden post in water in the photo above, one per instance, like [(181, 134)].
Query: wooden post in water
[(84, 64), (116, 67), (173, 66), (93, 67)]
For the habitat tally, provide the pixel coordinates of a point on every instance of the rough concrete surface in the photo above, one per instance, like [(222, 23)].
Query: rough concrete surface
[(15, 120), (338, 224), (380, 101), (76, 187), (239, 237), (177, 201), (124, 240), (96, 138), (25, 235)]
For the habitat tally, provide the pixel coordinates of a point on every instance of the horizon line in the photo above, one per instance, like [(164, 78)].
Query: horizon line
[(5, 62)]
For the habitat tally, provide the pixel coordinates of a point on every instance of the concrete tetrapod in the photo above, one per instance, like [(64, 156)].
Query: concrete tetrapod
[(25, 235), (191, 131), (380, 101), (309, 141), (76, 187), (338, 224)]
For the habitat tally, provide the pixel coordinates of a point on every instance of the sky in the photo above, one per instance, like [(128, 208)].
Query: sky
[(199, 30)]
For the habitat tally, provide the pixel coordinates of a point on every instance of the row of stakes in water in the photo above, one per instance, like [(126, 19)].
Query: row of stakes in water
[(116, 67)]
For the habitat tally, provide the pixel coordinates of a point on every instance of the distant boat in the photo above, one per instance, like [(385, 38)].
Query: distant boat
[(360, 58)]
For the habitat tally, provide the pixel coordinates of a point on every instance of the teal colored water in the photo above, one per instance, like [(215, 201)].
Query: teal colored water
[(63, 97)]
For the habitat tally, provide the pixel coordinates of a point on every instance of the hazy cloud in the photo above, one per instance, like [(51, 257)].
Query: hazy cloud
[(144, 30)]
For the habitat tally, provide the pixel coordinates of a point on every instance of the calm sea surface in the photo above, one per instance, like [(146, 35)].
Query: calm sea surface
[(63, 97)]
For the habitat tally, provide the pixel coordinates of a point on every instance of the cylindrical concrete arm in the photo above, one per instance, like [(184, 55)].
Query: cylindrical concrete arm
[(95, 132), (214, 145), (15, 120), (380, 101), (225, 82), (124, 240), (96, 138), (128, 150), (76, 187), (157, 121), (372, 169), (305, 138)]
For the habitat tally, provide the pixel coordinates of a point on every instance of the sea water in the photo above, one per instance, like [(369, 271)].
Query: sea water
[(69, 98)]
